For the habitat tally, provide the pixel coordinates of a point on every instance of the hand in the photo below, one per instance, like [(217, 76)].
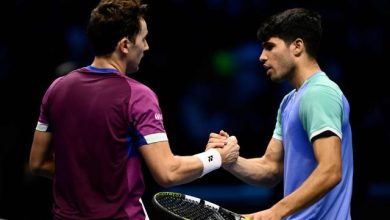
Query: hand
[(230, 152), (217, 140), (267, 214)]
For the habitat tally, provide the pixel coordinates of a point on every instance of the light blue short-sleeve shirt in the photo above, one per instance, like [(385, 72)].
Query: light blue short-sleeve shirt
[(318, 106)]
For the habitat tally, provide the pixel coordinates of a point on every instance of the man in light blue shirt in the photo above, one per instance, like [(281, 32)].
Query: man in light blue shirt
[(311, 147)]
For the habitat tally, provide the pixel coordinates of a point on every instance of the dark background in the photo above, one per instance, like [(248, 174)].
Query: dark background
[(203, 64)]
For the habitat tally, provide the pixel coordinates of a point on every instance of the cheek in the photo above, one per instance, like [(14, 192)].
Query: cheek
[(140, 52), (139, 49), (285, 60), (136, 51)]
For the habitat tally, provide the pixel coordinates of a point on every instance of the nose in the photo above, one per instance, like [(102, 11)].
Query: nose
[(146, 46), (262, 57)]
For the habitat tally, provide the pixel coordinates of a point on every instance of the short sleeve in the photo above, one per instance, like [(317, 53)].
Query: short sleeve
[(321, 110), (44, 117), (278, 127), (145, 114)]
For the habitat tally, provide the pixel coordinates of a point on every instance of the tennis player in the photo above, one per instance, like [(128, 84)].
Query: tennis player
[(311, 147), (96, 125)]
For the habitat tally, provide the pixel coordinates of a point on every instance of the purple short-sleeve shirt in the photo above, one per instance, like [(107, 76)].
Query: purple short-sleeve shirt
[(98, 119)]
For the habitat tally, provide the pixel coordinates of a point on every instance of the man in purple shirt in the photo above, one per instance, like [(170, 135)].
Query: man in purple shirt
[(96, 124)]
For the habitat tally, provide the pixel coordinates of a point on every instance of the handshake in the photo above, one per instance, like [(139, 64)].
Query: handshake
[(221, 150)]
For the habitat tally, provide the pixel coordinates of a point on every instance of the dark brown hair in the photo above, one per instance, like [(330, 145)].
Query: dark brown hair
[(111, 20)]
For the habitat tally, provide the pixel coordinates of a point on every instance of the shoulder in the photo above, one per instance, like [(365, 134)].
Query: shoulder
[(320, 87), (55, 83), (65, 78), (141, 93), (322, 97), (138, 86)]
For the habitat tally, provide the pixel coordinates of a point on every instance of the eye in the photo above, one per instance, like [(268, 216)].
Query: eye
[(268, 46)]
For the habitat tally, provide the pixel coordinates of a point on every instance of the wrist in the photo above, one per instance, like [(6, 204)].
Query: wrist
[(281, 209), (211, 160)]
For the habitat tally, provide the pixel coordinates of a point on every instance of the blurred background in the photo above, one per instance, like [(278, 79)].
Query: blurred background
[(203, 64)]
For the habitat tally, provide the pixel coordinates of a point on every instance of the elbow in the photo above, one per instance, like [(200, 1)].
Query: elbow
[(336, 177), (274, 176), (165, 184), (35, 167), (45, 169), (169, 174), (269, 180), (167, 180), (272, 181), (38, 171), (167, 177), (332, 177)]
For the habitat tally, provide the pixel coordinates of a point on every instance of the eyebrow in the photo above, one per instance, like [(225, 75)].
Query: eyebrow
[(267, 43)]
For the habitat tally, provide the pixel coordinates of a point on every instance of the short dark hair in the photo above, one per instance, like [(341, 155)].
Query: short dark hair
[(112, 20), (292, 24)]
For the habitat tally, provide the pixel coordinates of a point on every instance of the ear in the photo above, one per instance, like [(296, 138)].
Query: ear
[(124, 45), (297, 46)]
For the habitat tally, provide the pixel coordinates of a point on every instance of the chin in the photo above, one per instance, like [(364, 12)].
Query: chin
[(131, 70), (276, 79)]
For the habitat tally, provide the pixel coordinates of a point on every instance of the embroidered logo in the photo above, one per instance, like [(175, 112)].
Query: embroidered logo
[(158, 116)]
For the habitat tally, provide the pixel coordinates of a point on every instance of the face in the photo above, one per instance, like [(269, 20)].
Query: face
[(136, 49), (277, 59)]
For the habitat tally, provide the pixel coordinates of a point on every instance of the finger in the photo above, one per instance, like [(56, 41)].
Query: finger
[(215, 145), (214, 135), (233, 139), (232, 143), (224, 133), (220, 138), (217, 141)]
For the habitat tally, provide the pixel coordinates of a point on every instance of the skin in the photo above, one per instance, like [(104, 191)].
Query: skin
[(290, 62), (41, 156), (166, 168)]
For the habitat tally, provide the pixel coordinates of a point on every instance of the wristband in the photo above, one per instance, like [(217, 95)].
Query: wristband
[(211, 160)]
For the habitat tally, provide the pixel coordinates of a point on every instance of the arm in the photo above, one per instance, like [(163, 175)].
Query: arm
[(263, 171), (169, 170), (41, 156), (325, 176)]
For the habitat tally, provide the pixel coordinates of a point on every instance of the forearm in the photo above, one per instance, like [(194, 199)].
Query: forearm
[(169, 170), (178, 170), (317, 185), (184, 169), (256, 171), (41, 156)]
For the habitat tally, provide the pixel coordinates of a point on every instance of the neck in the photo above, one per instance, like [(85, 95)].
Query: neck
[(303, 72), (108, 62)]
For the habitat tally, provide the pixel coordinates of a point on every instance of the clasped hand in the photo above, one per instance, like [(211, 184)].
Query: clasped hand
[(226, 145)]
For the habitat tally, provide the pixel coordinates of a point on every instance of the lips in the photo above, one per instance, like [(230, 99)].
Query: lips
[(267, 69)]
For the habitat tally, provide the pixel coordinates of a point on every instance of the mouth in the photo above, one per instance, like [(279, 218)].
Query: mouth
[(267, 69)]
